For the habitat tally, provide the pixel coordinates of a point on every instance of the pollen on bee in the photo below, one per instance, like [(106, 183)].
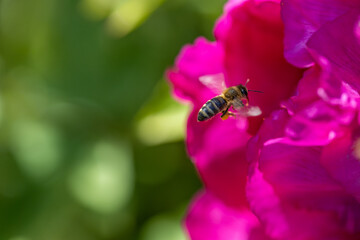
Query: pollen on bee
[(245, 102), (226, 116)]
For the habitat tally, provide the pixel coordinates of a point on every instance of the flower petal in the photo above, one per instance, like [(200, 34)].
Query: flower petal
[(208, 218), (218, 150), (251, 35), (302, 18), (341, 159), (194, 61), (289, 185), (286, 217), (321, 110), (338, 43), (295, 170), (217, 147)]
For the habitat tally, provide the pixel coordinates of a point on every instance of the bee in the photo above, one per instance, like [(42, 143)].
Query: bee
[(236, 97)]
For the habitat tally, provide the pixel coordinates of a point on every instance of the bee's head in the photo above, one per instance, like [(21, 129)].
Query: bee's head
[(244, 91)]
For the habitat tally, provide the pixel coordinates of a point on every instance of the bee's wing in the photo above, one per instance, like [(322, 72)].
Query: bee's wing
[(237, 104), (215, 82), (245, 110)]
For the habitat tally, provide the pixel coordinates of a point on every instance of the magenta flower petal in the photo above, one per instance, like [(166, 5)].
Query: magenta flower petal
[(208, 218), (340, 48), (321, 110), (302, 18), (303, 182), (288, 215), (289, 168), (317, 124), (288, 185), (342, 160), (295, 171), (194, 61), (218, 150), (251, 34), (217, 147), (292, 179)]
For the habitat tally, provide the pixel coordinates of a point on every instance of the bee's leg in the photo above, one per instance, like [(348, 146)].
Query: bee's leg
[(231, 114), (225, 114)]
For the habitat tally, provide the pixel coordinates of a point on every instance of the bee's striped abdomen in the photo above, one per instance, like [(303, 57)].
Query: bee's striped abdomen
[(211, 108)]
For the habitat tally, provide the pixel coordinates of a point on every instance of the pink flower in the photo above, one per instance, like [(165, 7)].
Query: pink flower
[(303, 180), (249, 45), (303, 18), (210, 218)]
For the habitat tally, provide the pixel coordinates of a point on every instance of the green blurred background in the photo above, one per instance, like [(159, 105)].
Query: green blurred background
[(91, 142)]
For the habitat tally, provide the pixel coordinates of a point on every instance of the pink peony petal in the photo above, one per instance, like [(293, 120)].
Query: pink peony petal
[(208, 218), (295, 171), (304, 159), (302, 18), (338, 43), (251, 34), (290, 183), (202, 58), (266, 205), (321, 110), (317, 124), (194, 61), (217, 147), (295, 197), (342, 160), (218, 150)]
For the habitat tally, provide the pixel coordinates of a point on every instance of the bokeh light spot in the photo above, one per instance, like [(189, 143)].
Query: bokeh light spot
[(162, 127), (103, 180), (96, 9), (37, 147), (163, 228), (130, 14)]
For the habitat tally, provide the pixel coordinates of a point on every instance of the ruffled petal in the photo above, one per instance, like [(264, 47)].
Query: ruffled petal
[(217, 147), (290, 217), (288, 185), (208, 218), (296, 172), (342, 160), (302, 18), (251, 35), (321, 110), (201, 58), (339, 44)]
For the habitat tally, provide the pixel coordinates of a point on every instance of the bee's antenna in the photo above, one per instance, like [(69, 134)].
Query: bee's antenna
[(248, 80), (255, 91)]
